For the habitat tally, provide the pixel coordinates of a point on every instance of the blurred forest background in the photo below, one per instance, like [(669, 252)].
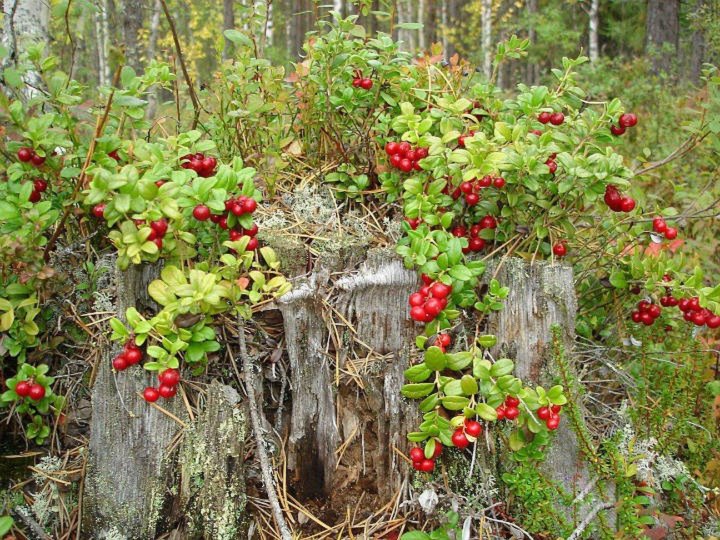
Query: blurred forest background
[(625, 39)]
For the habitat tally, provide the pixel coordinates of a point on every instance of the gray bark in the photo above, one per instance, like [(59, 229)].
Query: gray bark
[(228, 24), (101, 42), (698, 44), (541, 296), (324, 414), (24, 22), (487, 37), (532, 74), (125, 484), (212, 482)]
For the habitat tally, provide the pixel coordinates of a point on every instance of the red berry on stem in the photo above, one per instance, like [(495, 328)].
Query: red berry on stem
[(150, 394), (488, 222), (160, 226), (444, 339), (499, 182), (671, 233), (366, 84), (417, 454), (37, 392), (473, 428), (543, 413), (552, 166), (659, 225), (557, 118), (511, 401), (391, 148), (417, 313), (37, 160), (22, 388), (617, 130), (472, 199), (133, 356), (560, 250), (459, 439), (406, 165), (166, 391), (627, 204), (416, 299), (433, 307), (403, 148), (34, 196), (553, 423), (40, 185), (120, 363), (427, 465), (25, 154), (628, 120), (544, 117), (201, 212), (511, 413), (440, 290)]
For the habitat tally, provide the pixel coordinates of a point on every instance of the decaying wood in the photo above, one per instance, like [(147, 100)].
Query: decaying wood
[(369, 310), (542, 295), (212, 483), (125, 485)]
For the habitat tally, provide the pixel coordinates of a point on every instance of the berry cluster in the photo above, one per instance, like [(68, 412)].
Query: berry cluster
[(158, 229), (660, 227), (617, 201), (130, 356), (200, 163), (30, 389), (429, 301), (404, 157), (550, 415), (167, 388), (468, 433), (39, 186), (625, 121), (508, 410), (362, 82), (471, 189), (646, 313), (556, 118), (238, 207), (420, 462), (475, 243), (551, 163), (28, 155), (692, 312)]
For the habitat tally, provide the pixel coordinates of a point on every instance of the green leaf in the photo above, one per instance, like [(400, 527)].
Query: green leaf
[(487, 341), (415, 535), (238, 37), (418, 373), (469, 385), (460, 272), (459, 360), (454, 403), (504, 366), (486, 412), (435, 359), (617, 279), (415, 391), (6, 523)]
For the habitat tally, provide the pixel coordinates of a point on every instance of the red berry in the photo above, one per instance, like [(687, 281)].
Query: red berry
[(433, 307), (40, 185), (160, 183), (659, 225), (684, 304), (438, 449), (411, 155), (459, 439), (511, 413), (473, 428), (699, 318), (37, 160), (417, 454), (391, 148), (158, 243), (628, 120), (440, 290), (160, 227), (543, 413), (151, 394), (421, 153), (25, 154), (544, 117), (252, 245), (427, 280), (395, 160), (612, 197), (617, 130), (37, 392), (553, 423), (472, 199), (235, 235), (22, 388), (646, 318), (356, 82), (249, 205), (557, 118), (208, 165), (476, 244), (427, 465), (133, 356), (416, 299), (444, 339), (555, 409), (417, 465), (252, 231), (499, 182), (406, 165), (636, 316), (536, 132), (120, 363), (466, 187), (500, 411), (713, 322), (627, 204), (166, 391), (560, 250), (222, 223), (366, 84), (201, 212), (551, 165), (511, 401), (114, 154), (488, 222), (417, 313), (485, 182), (34, 196), (403, 148), (671, 233)]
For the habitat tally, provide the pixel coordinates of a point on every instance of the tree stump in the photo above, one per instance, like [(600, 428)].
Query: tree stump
[(349, 340)]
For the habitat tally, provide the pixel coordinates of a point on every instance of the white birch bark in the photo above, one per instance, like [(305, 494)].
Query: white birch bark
[(593, 23)]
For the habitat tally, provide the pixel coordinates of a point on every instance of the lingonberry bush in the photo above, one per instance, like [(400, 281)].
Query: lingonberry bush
[(472, 172)]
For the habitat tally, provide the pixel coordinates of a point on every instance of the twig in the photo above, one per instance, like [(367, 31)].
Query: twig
[(188, 80), (588, 519), (680, 151), (99, 125), (267, 474)]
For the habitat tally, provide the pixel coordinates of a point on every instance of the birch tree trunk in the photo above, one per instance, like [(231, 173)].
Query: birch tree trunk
[(404, 15), (24, 22), (101, 42), (487, 37), (533, 72), (132, 12), (593, 24)]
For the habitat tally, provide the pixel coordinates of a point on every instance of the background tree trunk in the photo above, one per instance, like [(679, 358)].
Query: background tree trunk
[(24, 22), (593, 24), (228, 24), (133, 12), (698, 44), (532, 74), (487, 37), (663, 29)]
